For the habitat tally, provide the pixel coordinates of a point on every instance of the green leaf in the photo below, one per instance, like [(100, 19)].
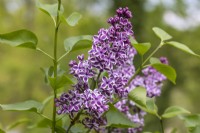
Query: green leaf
[(49, 9), (138, 95), (133, 40), (192, 120), (29, 105), (115, 118), (182, 47), (194, 129), (151, 106), (17, 123), (142, 48), (61, 81), (154, 60), (71, 42), (73, 19), (78, 128), (174, 111), (166, 70), (20, 38), (161, 34)]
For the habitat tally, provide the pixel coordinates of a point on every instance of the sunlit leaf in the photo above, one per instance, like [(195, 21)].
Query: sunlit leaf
[(138, 95), (71, 43), (115, 118), (142, 48), (166, 70), (17, 123), (161, 34), (20, 38), (174, 111), (133, 40), (29, 105), (49, 9), (154, 60), (73, 19), (182, 47)]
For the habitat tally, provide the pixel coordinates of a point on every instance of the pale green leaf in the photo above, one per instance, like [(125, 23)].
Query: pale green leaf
[(192, 120), (182, 47), (174, 111), (73, 19), (161, 34), (29, 105), (49, 9), (154, 60), (20, 38), (77, 43), (166, 70), (142, 48), (115, 118), (60, 81), (138, 95)]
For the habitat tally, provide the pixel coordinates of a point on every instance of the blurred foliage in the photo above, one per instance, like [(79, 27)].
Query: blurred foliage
[(21, 78)]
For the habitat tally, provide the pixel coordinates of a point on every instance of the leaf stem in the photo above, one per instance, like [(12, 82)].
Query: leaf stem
[(161, 124), (38, 49), (142, 66), (55, 66), (63, 56), (74, 120)]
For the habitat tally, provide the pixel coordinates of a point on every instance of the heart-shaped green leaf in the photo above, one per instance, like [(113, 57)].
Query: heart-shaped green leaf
[(174, 111), (20, 38), (77, 43), (73, 19), (182, 47), (161, 34), (142, 48), (166, 70), (115, 118), (29, 105)]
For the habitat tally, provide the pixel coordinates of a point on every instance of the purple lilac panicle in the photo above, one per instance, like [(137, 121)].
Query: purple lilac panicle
[(111, 53)]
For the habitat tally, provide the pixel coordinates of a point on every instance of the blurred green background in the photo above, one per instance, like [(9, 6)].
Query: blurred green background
[(20, 75)]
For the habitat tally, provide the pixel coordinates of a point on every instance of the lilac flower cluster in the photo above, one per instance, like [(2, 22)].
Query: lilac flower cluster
[(112, 54)]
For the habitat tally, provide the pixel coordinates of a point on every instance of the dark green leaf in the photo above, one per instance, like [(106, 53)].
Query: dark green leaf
[(117, 119), (30, 105), (138, 95), (154, 60), (194, 129), (19, 122), (61, 81), (142, 48), (174, 111), (166, 70), (161, 34), (84, 42), (73, 19), (49, 9), (182, 47), (20, 38)]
